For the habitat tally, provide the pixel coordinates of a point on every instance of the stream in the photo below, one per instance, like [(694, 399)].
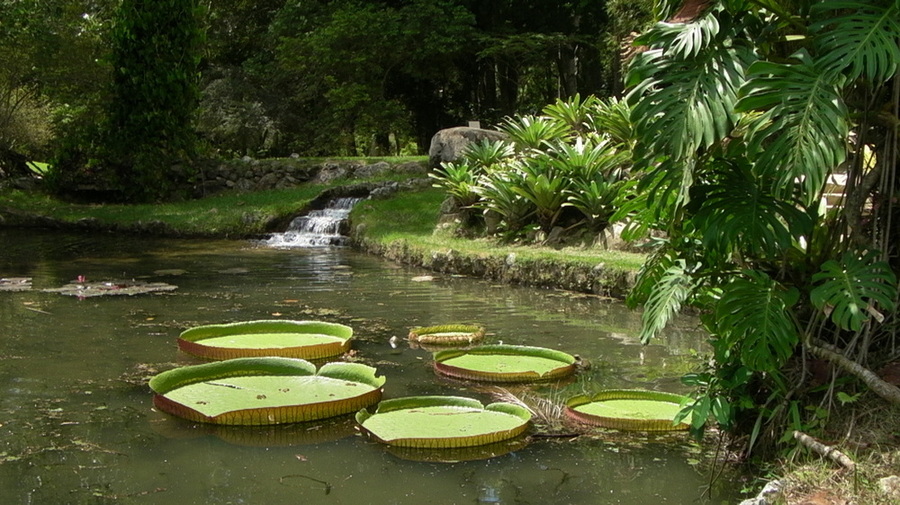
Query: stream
[(77, 424)]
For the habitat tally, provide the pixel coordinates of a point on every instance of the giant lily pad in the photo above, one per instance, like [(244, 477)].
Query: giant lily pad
[(629, 409), (448, 334), (257, 391), (443, 422), (504, 363), (289, 339)]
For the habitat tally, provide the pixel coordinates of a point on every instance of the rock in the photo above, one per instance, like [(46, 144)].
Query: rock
[(384, 191), (331, 172), (768, 496), (412, 167), (375, 169), (448, 144), (891, 487)]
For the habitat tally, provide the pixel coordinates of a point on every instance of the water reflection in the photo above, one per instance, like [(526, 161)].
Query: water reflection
[(77, 424)]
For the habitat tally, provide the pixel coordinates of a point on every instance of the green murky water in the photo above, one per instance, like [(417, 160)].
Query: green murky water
[(77, 424)]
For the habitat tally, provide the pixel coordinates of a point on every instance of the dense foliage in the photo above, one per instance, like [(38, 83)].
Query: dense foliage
[(746, 115), (561, 169)]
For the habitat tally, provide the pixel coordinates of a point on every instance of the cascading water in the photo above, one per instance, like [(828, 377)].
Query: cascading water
[(319, 228)]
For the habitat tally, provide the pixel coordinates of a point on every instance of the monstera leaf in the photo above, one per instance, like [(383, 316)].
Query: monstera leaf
[(851, 289), (674, 287), (861, 38), (801, 132), (738, 214), (754, 311)]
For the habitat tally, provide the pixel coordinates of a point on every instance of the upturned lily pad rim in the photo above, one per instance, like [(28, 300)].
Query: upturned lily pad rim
[(191, 340), (625, 423), (453, 334), (412, 403), (358, 373), (566, 363)]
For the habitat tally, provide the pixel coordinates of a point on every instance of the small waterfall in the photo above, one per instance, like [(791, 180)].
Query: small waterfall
[(319, 228)]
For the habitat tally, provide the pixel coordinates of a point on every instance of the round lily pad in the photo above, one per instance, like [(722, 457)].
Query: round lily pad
[(443, 422), (448, 334), (505, 363), (629, 409), (289, 339), (258, 391)]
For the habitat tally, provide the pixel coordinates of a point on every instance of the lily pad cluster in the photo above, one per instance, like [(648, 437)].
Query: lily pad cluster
[(262, 377)]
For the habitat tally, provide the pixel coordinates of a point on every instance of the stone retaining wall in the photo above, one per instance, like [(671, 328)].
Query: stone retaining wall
[(247, 174), (596, 279)]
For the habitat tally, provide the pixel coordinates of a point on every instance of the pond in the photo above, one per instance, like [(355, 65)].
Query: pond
[(77, 425)]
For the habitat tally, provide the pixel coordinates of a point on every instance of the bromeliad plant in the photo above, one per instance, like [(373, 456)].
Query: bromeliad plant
[(742, 112), (556, 169)]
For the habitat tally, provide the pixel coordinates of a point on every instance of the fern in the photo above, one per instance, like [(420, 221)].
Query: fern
[(754, 312), (850, 287)]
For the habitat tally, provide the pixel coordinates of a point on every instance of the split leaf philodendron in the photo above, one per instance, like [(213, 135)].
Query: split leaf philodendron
[(443, 422), (505, 363), (290, 339), (629, 409), (258, 391)]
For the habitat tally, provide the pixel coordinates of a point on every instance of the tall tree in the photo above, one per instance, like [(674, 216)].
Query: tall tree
[(155, 54)]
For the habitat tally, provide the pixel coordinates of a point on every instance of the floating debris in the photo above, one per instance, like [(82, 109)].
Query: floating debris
[(15, 284), (109, 288), (170, 271)]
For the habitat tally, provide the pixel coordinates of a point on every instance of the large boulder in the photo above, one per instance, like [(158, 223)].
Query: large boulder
[(448, 144)]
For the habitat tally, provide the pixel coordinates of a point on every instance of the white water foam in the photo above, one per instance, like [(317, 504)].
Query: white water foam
[(318, 228)]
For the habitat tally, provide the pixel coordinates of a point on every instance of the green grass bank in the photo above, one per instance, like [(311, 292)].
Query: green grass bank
[(402, 228)]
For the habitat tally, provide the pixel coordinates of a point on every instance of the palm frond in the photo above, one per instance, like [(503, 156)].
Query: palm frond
[(754, 313), (852, 287), (860, 38), (801, 134)]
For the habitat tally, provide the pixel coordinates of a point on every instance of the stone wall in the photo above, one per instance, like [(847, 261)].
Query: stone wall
[(248, 174)]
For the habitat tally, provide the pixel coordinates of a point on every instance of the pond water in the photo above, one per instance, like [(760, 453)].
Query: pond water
[(77, 425)]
